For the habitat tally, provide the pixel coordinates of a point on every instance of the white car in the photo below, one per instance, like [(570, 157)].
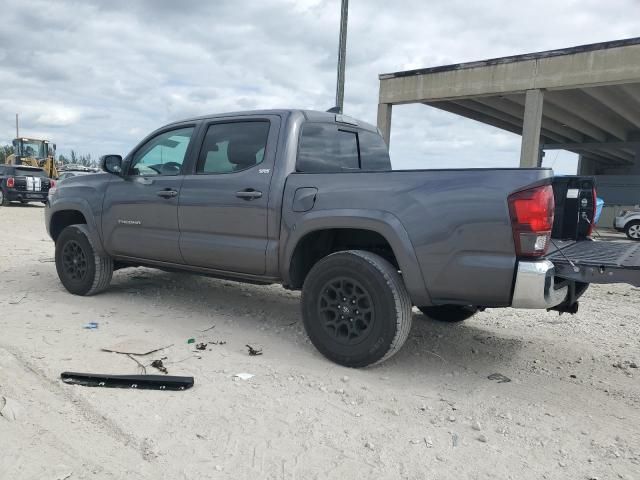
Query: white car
[(628, 221)]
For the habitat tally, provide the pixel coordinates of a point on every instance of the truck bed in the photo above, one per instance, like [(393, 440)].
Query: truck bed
[(456, 224), (597, 261)]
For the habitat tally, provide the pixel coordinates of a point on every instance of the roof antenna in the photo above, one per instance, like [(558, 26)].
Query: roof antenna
[(334, 110)]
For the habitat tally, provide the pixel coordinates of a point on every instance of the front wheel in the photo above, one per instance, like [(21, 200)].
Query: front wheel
[(80, 268), (449, 313), (356, 309), (633, 230)]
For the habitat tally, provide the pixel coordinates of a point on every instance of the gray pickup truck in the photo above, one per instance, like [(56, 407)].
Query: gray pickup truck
[(308, 199)]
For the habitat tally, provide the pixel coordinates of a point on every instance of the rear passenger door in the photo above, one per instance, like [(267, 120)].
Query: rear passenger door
[(223, 206)]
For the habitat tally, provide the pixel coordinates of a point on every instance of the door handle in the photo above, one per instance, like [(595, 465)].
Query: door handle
[(168, 193), (249, 194)]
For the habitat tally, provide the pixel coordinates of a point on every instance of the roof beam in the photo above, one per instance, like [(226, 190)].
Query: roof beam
[(611, 150), (599, 159), (617, 153), (618, 145), (617, 101), (584, 106), (565, 118), (480, 117), (500, 115), (516, 110), (633, 91), (608, 153)]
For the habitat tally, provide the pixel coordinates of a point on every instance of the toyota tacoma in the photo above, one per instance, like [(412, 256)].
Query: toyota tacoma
[(309, 200)]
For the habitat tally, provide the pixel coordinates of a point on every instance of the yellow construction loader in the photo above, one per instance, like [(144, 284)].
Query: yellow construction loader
[(36, 153)]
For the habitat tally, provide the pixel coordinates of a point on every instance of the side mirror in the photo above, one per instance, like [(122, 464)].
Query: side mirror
[(111, 164)]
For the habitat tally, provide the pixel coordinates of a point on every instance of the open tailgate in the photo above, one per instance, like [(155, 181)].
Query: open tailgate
[(596, 261)]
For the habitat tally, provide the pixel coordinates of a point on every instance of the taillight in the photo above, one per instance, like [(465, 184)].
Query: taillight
[(532, 220), (11, 182), (52, 183)]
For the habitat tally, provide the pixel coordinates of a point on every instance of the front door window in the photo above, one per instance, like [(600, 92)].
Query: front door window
[(164, 154)]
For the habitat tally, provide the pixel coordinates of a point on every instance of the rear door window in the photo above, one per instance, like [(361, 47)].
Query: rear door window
[(234, 146), (29, 172), (327, 148)]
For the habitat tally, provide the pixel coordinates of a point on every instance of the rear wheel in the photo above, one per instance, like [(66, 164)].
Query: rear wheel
[(4, 201), (80, 268), (633, 230), (355, 308), (449, 313)]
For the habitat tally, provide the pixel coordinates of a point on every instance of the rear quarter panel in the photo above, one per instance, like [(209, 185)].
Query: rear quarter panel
[(456, 222)]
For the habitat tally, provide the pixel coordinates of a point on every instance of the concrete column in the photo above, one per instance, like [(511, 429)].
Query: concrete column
[(384, 120), (586, 166), (635, 169), (530, 151)]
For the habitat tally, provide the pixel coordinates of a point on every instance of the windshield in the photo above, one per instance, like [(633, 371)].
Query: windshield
[(33, 148)]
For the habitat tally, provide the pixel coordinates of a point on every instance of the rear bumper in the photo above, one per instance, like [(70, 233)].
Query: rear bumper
[(535, 286), (19, 196)]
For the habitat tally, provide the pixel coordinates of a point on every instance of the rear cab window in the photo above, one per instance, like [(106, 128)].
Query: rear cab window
[(330, 148)]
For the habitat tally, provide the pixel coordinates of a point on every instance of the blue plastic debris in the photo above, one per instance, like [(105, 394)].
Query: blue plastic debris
[(599, 205), (90, 325)]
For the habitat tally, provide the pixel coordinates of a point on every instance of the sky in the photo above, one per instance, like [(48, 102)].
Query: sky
[(97, 76)]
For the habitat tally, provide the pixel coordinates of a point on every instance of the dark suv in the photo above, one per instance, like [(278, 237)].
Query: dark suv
[(21, 183)]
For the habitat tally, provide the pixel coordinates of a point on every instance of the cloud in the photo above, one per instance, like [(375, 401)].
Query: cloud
[(100, 75), (57, 116)]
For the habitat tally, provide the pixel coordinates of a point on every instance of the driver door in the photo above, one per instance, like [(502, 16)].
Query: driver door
[(140, 211)]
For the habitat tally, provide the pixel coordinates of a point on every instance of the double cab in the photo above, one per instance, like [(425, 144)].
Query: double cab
[(309, 200)]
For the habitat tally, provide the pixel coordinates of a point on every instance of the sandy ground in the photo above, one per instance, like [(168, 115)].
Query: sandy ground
[(431, 412)]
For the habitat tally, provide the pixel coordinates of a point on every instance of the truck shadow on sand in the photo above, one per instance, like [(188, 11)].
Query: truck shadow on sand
[(470, 346)]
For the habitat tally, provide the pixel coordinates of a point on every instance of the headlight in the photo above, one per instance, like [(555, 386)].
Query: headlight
[(622, 213)]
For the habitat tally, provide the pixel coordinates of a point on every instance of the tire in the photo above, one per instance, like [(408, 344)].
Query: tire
[(4, 201), (81, 270), (449, 313), (381, 314), (632, 229)]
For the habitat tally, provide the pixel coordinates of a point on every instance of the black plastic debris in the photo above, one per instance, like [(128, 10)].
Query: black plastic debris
[(141, 382), (157, 364), (498, 377), (253, 351), (201, 346)]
